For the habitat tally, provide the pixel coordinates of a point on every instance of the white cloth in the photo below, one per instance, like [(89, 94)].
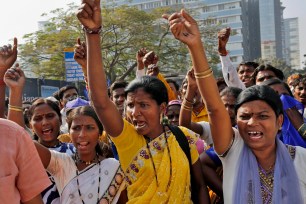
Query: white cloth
[(230, 167), (206, 134), (140, 73), (230, 74), (63, 169)]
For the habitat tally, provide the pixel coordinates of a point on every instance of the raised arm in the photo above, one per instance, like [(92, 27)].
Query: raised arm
[(8, 56), (185, 29), (15, 80), (186, 108), (89, 14), (229, 72), (140, 71)]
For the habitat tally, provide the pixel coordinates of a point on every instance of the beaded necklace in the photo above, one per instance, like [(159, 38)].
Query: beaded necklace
[(151, 158), (77, 175)]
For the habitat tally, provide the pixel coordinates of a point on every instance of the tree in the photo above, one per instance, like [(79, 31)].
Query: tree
[(125, 30)]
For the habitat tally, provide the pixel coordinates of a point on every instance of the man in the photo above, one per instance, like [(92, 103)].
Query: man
[(117, 94), (240, 77), (22, 174), (67, 93)]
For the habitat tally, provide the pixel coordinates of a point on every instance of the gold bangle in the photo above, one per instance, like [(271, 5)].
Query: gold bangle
[(202, 73), (188, 102), (15, 109), (205, 76), (186, 107)]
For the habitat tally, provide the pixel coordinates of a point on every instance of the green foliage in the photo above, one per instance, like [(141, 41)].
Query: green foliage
[(125, 31)]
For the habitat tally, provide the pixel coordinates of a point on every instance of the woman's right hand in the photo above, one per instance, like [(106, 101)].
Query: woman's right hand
[(184, 28), (14, 78), (89, 14)]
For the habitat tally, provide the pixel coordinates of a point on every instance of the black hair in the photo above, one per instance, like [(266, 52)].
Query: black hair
[(64, 89), (117, 85), (248, 64), (263, 93), (232, 91), (150, 85), (101, 148), (274, 81), (41, 101), (177, 87), (278, 73)]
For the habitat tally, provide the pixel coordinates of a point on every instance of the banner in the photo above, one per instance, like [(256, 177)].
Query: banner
[(73, 69)]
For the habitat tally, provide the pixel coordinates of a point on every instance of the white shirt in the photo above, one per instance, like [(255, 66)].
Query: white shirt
[(230, 74)]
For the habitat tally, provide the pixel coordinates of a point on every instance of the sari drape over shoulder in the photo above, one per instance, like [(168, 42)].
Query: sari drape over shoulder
[(112, 182), (144, 185)]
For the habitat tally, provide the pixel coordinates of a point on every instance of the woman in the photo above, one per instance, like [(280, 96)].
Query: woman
[(75, 175), (156, 169), (44, 120), (257, 166)]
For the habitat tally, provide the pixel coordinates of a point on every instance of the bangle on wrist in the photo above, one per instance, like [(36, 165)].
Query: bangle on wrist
[(15, 108), (186, 107), (188, 102), (92, 30), (203, 76)]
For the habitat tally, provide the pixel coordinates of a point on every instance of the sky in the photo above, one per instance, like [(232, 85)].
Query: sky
[(21, 17)]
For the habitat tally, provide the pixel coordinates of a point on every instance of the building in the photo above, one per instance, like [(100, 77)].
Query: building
[(241, 15), (271, 29), (292, 44)]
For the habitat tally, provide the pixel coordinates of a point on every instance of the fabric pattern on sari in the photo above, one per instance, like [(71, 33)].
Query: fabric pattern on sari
[(142, 186), (112, 182), (111, 179)]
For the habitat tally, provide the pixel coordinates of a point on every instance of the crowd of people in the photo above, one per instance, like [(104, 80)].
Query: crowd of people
[(239, 139)]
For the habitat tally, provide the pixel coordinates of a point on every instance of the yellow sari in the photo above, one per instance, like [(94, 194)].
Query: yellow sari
[(170, 181)]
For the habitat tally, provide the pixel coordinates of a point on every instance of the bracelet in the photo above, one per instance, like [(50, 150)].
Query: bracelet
[(186, 107), (188, 101), (302, 130), (92, 30), (2, 83), (15, 108), (199, 74), (222, 54), (205, 76)]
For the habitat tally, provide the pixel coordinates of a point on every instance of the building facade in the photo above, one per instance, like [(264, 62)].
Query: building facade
[(292, 44), (242, 16), (271, 29)]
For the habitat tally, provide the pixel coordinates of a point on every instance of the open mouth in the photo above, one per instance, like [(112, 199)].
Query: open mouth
[(82, 145), (255, 134), (139, 124), (47, 131)]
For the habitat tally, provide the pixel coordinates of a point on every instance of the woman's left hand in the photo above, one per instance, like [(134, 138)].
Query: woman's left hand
[(184, 27), (89, 14)]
